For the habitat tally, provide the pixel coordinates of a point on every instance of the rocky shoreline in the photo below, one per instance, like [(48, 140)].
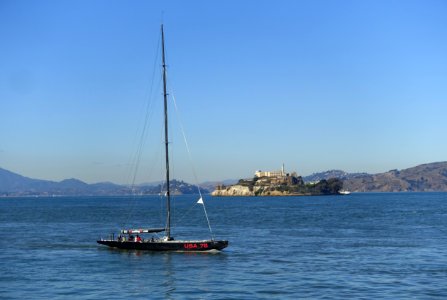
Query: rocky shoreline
[(238, 190), (279, 185)]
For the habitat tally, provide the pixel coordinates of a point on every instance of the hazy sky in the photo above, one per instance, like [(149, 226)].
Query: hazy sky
[(354, 85)]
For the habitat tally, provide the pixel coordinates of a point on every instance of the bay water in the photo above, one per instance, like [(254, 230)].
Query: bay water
[(363, 246)]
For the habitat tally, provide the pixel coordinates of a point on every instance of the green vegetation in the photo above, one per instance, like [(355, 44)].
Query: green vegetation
[(325, 187), (291, 185)]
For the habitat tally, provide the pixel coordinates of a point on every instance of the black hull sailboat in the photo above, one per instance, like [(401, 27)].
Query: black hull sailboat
[(181, 246), (130, 238)]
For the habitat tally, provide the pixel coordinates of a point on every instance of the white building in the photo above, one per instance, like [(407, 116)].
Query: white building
[(281, 173)]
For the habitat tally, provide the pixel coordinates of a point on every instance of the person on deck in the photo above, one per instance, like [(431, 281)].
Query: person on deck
[(138, 239)]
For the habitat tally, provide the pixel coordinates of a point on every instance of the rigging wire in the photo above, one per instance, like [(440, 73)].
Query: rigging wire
[(136, 160), (200, 201), (149, 111)]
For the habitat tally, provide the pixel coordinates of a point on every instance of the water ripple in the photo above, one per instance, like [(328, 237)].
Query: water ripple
[(363, 246)]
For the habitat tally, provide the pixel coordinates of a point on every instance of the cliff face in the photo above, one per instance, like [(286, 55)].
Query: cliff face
[(279, 186), (233, 190), (239, 190)]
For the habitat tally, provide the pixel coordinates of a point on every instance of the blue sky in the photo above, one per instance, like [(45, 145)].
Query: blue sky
[(354, 85)]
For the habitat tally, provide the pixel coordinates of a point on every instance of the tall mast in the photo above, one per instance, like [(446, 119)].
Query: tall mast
[(165, 97)]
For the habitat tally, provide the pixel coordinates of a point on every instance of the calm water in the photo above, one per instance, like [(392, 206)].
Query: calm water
[(359, 246)]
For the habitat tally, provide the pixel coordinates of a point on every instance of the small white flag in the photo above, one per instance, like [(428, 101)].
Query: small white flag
[(200, 201)]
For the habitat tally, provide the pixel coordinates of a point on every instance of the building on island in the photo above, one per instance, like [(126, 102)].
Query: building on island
[(280, 173), (276, 177), (269, 182)]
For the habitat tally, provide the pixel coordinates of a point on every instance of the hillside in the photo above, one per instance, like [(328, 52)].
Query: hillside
[(12, 184), (429, 177), (331, 174), (423, 178)]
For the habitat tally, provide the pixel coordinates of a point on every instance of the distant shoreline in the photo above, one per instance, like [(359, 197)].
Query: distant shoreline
[(276, 196), (431, 177)]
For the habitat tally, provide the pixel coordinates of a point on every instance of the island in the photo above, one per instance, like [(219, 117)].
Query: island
[(279, 183)]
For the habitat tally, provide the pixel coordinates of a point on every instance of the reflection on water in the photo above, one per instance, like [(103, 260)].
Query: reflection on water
[(164, 273), (169, 276)]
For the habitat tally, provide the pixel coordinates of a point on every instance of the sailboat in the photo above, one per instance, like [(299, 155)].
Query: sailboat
[(130, 238)]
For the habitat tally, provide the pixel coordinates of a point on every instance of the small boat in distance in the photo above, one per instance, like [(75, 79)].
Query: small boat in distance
[(344, 192), (130, 238)]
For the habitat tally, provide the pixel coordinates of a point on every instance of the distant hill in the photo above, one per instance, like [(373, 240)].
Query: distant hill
[(12, 184), (177, 187), (211, 185), (331, 174), (423, 178)]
